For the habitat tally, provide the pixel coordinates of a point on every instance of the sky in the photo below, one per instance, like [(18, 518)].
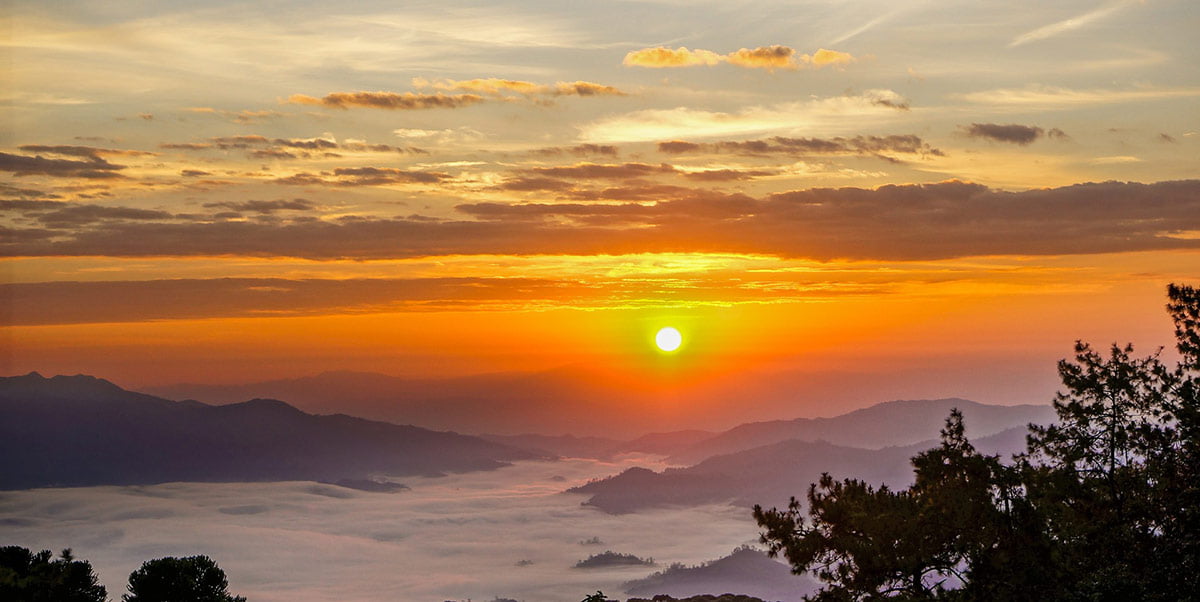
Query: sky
[(950, 192)]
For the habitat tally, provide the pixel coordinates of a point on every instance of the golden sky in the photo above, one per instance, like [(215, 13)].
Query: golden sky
[(954, 191)]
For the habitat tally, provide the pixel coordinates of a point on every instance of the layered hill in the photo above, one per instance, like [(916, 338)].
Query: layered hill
[(746, 571), (888, 424), (81, 431), (770, 474)]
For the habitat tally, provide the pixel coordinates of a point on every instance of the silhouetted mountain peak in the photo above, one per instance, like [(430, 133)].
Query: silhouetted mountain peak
[(262, 404), (78, 386)]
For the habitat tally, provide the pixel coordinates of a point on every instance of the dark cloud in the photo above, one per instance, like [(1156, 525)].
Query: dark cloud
[(580, 150), (271, 153), (1012, 133), (264, 206), (858, 145), (580, 88), (95, 168), (288, 148), (364, 176), (1166, 138), (193, 173), (598, 170), (679, 146), (73, 216), (389, 100), (531, 184), (89, 152), (30, 205), (136, 301), (191, 146), (907, 222), (27, 193), (722, 175)]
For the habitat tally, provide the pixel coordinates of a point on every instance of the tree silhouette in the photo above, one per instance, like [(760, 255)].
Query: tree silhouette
[(190, 579), (1104, 505), (29, 577)]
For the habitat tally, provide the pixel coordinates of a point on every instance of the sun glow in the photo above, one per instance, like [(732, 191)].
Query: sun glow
[(668, 339)]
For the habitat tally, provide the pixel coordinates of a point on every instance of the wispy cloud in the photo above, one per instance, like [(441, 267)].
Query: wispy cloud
[(1050, 97), (683, 122), (1076, 22)]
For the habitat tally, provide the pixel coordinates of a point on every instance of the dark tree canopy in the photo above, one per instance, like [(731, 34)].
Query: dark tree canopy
[(1104, 505), (190, 579), (29, 577)]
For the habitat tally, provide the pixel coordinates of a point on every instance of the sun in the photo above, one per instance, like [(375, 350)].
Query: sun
[(668, 339)]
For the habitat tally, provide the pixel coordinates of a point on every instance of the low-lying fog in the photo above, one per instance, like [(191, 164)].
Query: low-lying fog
[(452, 538)]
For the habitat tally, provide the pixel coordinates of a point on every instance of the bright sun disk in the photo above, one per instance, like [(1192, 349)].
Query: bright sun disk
[(668, 339)]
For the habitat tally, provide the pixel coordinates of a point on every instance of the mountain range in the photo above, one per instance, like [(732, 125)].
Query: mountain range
[(81, 431), (582, 400)]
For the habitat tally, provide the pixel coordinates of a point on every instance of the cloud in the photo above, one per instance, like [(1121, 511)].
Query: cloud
[(765, 57), (289, 148), (598, 170), (1050, 98), (850, 111), (389, 100), (579, 150), (364, 176), (1076, 22), (499, 87), (828, 58), (95, 168), (243, 117), (265, 206), (88, 152), (895, 222), (457, 537), (73, 216), (661, 57), (769, 58), (1011, 133), (858, 145), (581, 88), (41, 303)]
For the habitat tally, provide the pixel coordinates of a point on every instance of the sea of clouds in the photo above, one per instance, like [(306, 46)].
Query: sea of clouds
[(458, 537)]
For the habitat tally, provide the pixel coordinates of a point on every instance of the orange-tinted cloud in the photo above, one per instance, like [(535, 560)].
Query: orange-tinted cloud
[(825, 58), (665, 57), (94, 168), (581, 88), (764, 57), (404, 101), (895, 222), (858, 145), (364, 176), (499, 87)]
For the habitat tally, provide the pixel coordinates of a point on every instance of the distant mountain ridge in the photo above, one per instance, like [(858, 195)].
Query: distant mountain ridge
[(82, 431), (618, 403), (770, 474), (886, 424)]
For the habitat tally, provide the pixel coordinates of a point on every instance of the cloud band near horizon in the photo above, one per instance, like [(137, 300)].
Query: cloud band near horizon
[(895, 222)]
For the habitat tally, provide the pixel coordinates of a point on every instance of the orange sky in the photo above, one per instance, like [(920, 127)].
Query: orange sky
[(453, 191)]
